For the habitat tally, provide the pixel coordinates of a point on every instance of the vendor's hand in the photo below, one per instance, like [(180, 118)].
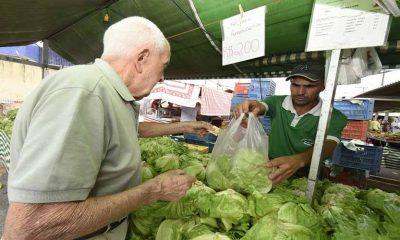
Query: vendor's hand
[(199, 128), (172, 185), (286, 166), (247, 106)]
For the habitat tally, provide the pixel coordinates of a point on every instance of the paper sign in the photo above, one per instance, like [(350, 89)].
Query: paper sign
[(341, 24), (243, 36)]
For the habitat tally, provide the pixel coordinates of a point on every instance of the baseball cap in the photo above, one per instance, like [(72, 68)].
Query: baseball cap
[(311, 71)]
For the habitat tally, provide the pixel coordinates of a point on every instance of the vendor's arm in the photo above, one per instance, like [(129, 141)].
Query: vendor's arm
[(151, 129), (246, 106), (69, 220), (288, 165)]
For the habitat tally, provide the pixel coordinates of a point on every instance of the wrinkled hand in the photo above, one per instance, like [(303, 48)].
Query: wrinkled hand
[(173, 184), (286, 167), (199, 128), (247, 106)]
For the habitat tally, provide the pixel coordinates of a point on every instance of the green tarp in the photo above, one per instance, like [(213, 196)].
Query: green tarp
[(74, 29)]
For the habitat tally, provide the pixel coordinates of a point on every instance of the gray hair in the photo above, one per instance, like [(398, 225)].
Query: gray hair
[(130, 33)]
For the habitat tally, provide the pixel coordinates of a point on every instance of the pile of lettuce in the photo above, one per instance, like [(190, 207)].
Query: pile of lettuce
[(245, 172), (163, 154), (238, 203)]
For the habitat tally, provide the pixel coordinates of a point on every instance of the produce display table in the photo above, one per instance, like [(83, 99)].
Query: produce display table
[(391, 150), (385, 184), (386, 140)]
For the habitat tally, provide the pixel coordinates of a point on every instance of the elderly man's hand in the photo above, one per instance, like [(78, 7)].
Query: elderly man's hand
[(199, 128), (286, 166), (172, 185), (247, 106)]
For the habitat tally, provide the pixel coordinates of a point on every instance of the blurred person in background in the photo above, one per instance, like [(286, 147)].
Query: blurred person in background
[(396, 125), (374, 125), (387, 125)]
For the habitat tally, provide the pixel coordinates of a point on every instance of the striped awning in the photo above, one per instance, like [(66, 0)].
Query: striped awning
[(5, 149)]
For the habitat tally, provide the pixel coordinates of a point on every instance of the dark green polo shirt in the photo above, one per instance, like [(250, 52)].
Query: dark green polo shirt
[(292, 134)]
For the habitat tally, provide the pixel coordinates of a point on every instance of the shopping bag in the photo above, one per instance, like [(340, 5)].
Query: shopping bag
[(238, 160)]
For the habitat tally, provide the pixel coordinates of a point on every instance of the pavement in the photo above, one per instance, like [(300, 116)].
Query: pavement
[(3, 197)]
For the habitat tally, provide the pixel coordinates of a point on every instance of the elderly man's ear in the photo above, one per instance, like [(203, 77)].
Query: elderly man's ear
[(142, 59)]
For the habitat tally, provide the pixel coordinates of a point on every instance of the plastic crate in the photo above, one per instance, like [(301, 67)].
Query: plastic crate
[(355, 129), (262, 83), (179, 138), (242, 88), (369, 158), (263, 92), (237, 98), (207, 138), (258, 96), (348, 176), (240, 97), (356, 111), (265, 87)]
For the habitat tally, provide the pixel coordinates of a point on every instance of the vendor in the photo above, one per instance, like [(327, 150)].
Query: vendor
[(295, 121), (374, 125)]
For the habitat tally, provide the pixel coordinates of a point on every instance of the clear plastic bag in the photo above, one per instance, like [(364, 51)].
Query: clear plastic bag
[(239, 158)]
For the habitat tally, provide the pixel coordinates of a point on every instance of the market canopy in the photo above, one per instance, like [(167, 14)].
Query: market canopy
[(387, 98), (74, 29)]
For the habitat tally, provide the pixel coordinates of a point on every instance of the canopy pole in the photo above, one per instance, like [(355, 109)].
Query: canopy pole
[(203, 29), (45, 58), (332, 57)]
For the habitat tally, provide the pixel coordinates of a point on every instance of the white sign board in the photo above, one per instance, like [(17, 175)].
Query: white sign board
[(341, 24), (243, 36)]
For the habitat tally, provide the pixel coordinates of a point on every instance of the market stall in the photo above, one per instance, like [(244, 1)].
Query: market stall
[(174, 101), (237, 199), (208, 101), (387, 99)]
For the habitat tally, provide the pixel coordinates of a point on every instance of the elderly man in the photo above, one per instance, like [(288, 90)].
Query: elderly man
[(295, 122), (75, 167)]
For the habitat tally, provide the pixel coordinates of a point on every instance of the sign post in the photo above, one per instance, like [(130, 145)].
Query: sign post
[(336, 25)]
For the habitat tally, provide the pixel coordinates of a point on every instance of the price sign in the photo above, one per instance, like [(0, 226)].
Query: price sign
[(243, 36), (341, 24)]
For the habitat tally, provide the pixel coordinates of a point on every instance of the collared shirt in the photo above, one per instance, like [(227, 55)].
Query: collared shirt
[(292, 133), (75, 137)]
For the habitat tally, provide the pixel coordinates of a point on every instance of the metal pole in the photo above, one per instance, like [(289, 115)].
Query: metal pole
[(383, 77), (330, 86), (45, 58)]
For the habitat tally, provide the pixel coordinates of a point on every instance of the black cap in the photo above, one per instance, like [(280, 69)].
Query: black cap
[(311, 71)]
